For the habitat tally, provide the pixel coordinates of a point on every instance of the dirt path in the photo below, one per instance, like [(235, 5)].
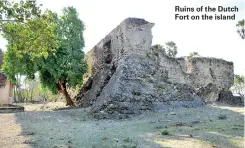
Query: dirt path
[(203, 127)]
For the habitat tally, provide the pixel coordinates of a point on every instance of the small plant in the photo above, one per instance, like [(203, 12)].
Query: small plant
[(222, 117), (127, 140), (165, 132), (160, 86), (136, 93)]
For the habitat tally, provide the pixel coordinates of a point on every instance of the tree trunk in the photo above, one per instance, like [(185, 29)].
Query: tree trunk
[(62, 89)]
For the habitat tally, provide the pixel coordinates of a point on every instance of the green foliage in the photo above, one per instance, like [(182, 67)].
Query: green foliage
[(18, 11), (14, 65), (241, 30), (43, 43), (194, 54), (30, 36), (171, 49), (239, 79), (159, 48), (160, 86), (28, 30), (67, 64), (165, 132), (239, 85)]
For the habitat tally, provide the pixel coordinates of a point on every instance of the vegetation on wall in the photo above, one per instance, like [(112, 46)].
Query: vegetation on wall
[(170, 49), (194, 54)]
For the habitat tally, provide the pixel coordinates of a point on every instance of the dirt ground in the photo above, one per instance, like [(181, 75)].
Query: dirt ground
[(210, 126)]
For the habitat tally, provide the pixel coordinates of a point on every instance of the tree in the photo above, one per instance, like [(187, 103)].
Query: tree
[(171, 49), (159, 48), (66, 67), (194, 54), (239, 84), (241, 30), (30, 29), (43, 43), (30, 37)]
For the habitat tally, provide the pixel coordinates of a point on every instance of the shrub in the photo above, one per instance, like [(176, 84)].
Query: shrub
[(165, 132)]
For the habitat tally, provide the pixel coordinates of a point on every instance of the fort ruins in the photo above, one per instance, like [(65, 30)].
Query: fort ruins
[(129, 77)]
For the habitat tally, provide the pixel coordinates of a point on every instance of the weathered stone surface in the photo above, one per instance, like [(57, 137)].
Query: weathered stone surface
[(129, 77), (209, 93)]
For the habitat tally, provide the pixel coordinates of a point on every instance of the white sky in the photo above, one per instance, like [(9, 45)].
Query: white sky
[(209, 38)]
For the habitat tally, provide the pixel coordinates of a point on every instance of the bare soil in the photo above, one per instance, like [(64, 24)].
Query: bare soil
[(210, 126)]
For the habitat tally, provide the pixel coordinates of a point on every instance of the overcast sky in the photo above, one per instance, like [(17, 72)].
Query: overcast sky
[(216, 38)]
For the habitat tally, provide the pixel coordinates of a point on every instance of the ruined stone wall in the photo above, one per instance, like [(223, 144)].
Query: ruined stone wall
[(211, 70), (128, 76)]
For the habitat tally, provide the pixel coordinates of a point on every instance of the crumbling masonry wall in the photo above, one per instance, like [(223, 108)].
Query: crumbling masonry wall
[(129, 77)]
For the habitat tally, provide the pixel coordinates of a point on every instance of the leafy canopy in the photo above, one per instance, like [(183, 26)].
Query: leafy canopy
[(30, 36), (241, 30), (27, 29), (43, 42), (194, 54), (239, 85), (170, 50), (67, 65)]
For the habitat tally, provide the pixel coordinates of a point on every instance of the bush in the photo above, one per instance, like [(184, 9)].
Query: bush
[(165, 132)]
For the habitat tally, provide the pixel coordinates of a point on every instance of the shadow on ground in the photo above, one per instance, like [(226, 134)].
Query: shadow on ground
[(208, 126)]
